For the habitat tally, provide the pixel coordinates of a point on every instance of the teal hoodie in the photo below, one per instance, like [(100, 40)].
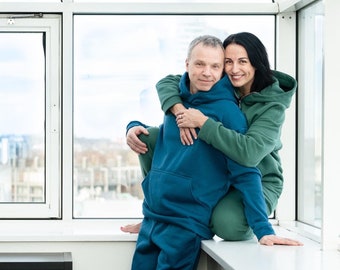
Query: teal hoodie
[(186, 182), (265, 113)]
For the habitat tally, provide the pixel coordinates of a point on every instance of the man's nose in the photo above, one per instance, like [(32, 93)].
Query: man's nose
[(207, 71)]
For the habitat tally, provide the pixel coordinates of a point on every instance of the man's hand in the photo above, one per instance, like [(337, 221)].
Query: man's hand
[(270, 240), (134, 142), (187, 135)]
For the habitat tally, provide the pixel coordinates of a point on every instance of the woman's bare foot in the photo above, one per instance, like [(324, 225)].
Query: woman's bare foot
[(131, 228)]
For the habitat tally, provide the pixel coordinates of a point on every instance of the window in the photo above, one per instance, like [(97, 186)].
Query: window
[(22, 145), (116, 67), (310, 108), (29, 117)]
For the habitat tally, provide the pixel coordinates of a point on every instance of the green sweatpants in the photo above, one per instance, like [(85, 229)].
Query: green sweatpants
[(228, 220)]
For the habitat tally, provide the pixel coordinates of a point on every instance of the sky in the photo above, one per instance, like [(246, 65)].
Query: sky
[(22, 83)]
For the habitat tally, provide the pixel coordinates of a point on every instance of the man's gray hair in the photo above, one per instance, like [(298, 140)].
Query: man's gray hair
[(206, 40)]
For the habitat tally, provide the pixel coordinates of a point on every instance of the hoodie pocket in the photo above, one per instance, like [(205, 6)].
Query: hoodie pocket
[(168, 193)]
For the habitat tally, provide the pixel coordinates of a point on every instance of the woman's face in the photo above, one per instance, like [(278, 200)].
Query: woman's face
[(238, 68)]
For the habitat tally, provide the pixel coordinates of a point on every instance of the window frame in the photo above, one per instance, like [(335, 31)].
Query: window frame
[(51, 207), (286, 214)]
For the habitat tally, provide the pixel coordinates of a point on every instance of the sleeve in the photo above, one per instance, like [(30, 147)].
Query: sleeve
[(134, 124), (249, 184), (168, 91), (249, 149)]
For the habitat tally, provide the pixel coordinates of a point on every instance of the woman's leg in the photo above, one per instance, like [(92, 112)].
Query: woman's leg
[(145, 160), (228, 220)]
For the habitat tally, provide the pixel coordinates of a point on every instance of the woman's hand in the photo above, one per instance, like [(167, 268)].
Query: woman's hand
[(190, 118), (187, 120), (134, 142), (270, 240)]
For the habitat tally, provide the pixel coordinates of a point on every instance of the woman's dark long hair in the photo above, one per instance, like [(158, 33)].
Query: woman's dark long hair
[(258, 58)]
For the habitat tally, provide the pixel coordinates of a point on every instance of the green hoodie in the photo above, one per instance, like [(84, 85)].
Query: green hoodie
[(265, 113)]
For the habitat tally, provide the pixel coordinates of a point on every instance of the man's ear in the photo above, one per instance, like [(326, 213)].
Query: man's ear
[(187, 64)]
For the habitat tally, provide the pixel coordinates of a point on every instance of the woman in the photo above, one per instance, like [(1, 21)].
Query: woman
[(263, 95)]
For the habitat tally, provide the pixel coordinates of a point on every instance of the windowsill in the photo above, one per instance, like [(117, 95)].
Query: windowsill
[(103, 230), (65, 231), (231, 255), (302, 229), (223, 253), (96, 230)]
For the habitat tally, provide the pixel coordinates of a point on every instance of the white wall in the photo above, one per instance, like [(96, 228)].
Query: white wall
[(86, 255), (90, 255)]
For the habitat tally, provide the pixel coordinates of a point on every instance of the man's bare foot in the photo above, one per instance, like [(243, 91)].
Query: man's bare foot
[(131, 228)]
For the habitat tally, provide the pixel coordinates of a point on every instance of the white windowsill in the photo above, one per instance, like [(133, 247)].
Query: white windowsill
[(105, 230), (229, 255), (251, 255), (63, 231)]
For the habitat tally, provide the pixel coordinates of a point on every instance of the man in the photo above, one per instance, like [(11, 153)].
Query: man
[(186, 182)]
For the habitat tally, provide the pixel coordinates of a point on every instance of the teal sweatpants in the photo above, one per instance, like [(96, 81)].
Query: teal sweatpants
[(164, 246), (228, 220)]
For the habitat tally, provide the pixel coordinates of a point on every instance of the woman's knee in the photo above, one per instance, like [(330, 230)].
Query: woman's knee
[(228, 220), (145, 160), (150, 139)]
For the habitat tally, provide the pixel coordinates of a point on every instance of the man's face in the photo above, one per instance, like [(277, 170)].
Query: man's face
[(205, 67)]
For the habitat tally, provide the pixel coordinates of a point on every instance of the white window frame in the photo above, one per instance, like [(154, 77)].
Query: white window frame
[(286, 62), (50, 25), (286, 31)]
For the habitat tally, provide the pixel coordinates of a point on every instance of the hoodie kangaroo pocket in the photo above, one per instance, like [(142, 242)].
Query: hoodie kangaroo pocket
[(167, 193)]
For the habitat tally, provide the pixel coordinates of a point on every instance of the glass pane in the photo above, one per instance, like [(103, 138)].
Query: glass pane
[(116, 68), (22, 147), (310, 100)]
